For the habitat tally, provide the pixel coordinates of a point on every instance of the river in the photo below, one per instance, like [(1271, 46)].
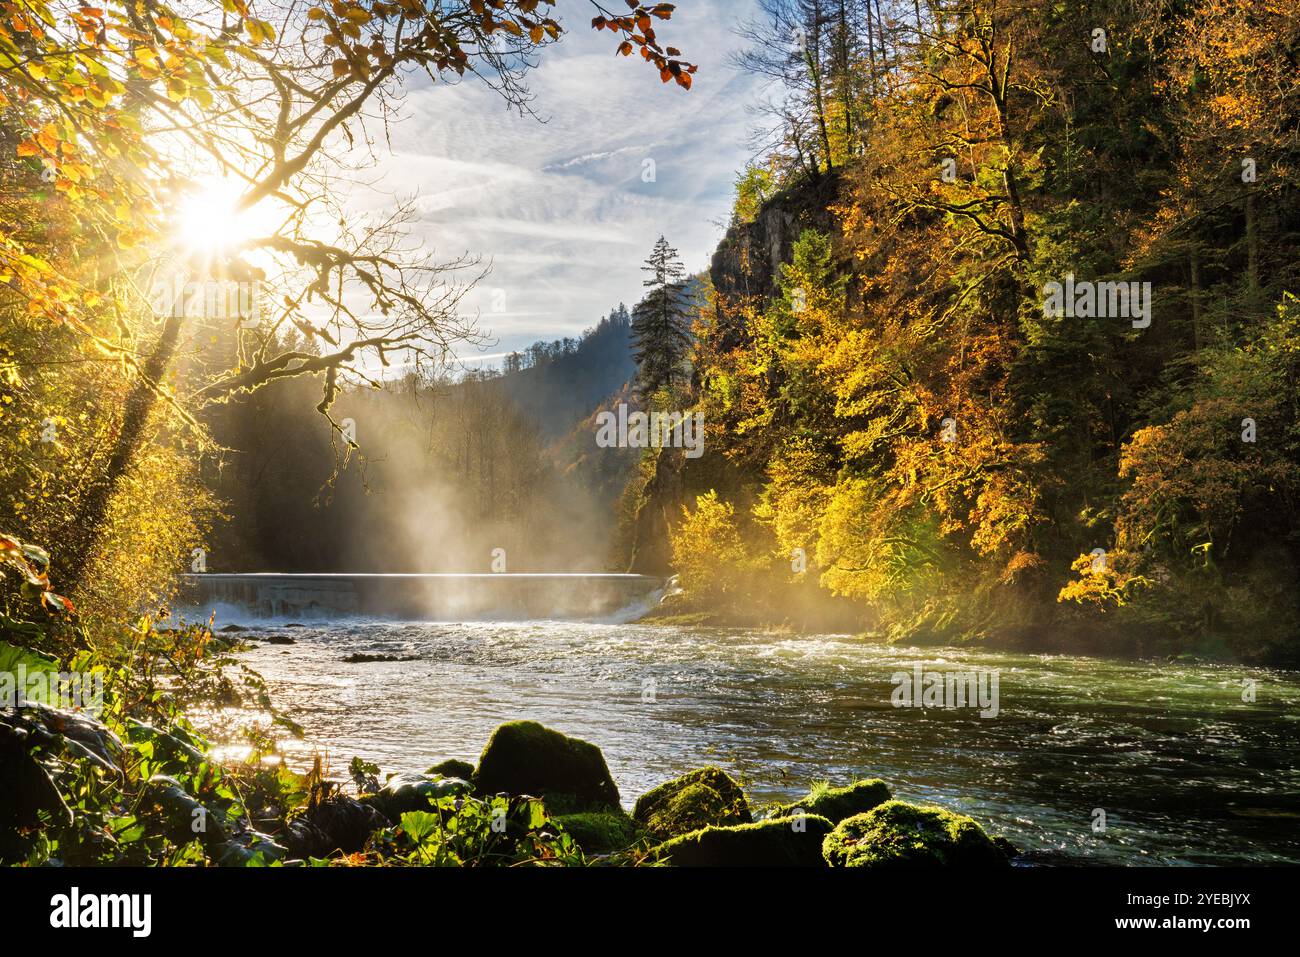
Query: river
[(1185, 771)]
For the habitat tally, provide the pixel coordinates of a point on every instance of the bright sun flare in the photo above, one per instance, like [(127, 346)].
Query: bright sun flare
[(209, 220)]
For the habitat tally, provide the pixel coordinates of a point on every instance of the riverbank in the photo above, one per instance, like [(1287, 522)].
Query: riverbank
[(1068, 633)]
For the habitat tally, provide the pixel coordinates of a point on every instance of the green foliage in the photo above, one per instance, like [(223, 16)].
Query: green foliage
[(661, 324), (499, 831), (754, 186), (126, 785)]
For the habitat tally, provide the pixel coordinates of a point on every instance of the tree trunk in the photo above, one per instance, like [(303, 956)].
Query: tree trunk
[(1196, 296), (812, 59), (871, 53), (884, 47), (845, 70), (998, 86), (135, 417), (1252, 245)]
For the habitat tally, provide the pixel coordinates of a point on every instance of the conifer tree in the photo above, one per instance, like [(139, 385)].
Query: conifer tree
[(661, 333)]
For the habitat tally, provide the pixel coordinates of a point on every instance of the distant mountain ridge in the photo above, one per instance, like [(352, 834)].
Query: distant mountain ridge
[(561, 382)]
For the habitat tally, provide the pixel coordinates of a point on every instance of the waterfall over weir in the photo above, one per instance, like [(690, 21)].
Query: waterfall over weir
[(419, 597)]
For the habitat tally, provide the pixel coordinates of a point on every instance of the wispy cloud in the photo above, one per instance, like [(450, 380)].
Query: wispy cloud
[(594, 157), (566, 206)]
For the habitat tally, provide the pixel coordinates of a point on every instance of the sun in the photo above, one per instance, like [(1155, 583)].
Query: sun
[(209, 221)]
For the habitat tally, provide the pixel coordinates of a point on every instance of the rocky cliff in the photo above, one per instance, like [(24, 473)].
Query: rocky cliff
[(744, 270)]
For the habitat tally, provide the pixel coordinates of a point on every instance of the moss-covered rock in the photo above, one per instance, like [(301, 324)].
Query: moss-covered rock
[(524, 757), (339, 823), (776, 842), (706, 796), (452, 768), (897, 834), (839, 803), (1007, 848), (405, 793), (599, 832)]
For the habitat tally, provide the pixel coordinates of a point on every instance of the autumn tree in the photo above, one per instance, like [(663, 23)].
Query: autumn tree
[(944, 449), (139, 117)]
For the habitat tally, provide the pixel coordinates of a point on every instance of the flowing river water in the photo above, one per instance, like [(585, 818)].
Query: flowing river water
[(1185, 771)]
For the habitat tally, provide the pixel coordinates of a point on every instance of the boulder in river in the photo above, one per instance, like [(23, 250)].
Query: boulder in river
[(338, 823), (524, 757), (304, 839), (452, 768), (777, 842), (696, 799), (838, 803), (897, 834), (405, 793), (599, 832)]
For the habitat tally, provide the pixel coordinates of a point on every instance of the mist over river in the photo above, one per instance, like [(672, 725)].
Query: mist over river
[(1186, 771)]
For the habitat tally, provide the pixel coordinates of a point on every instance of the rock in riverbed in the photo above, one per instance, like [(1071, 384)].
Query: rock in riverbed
[(452, 768), (405, 793), (524, 757), (696, 799), (897, 834), (337, 823), (599, 832), (776, 842), (836, 804)]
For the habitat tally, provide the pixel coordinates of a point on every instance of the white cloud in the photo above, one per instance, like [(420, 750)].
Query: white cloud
[(559, 206)]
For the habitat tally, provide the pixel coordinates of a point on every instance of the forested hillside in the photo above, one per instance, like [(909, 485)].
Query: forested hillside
[(898, 411), (445, 469), (566, 379)]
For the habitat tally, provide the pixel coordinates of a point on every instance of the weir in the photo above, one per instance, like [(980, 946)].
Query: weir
[(419, 597)]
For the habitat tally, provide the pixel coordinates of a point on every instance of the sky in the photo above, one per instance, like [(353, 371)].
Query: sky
[(566, 209)]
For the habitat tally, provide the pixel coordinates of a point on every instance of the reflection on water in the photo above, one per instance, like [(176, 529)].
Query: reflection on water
[(1186, 771)]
